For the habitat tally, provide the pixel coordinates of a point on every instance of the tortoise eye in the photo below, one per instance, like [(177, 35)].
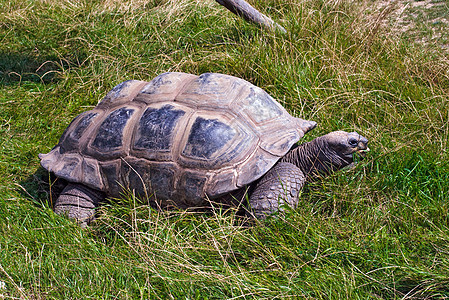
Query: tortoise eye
[(353, 142)]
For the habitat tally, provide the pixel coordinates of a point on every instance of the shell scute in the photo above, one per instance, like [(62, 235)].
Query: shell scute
[(90, 171), (110, 133), (121, 94), (280, 140), (260, 107), (156, 128), (215, 142), (110, 172), (206, 137), (80, 128), (256, 165), (70, 139), (223, 183), (148, 179), (69, 166), (211, 90), (191, 187), (164, 87)]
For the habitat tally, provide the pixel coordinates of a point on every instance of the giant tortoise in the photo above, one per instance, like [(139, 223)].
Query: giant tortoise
[(184, 140)]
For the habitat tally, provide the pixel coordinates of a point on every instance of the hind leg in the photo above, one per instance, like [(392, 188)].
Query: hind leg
[(78, 202)]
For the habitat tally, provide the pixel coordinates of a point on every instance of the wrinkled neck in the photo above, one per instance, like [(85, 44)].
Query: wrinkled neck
[(315, 158)]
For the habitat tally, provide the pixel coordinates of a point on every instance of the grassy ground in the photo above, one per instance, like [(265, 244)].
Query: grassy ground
[(377, 231)]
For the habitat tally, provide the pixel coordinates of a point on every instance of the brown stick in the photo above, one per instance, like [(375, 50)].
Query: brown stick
[(249, 13)]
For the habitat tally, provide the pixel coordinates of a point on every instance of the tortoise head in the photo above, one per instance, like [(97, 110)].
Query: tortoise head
[(327, 153), (340, 146)]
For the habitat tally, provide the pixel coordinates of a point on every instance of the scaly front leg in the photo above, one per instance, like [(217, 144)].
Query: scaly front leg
[(280, 186), (78, 202)]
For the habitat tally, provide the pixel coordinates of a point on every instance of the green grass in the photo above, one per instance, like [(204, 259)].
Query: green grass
[(377, 231)]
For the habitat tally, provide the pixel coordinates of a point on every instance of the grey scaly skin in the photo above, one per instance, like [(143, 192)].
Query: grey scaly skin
[(320, 157), (78, 202)]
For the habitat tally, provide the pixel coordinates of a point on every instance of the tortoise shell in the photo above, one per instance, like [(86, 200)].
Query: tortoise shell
[(181, 137)]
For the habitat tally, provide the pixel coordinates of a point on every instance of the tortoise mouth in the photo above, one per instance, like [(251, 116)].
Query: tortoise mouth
[(362, 152)]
